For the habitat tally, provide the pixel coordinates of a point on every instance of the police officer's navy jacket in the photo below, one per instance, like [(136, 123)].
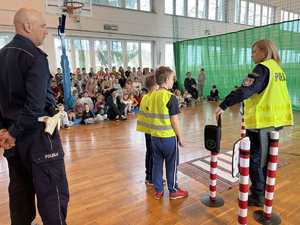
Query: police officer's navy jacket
[(25, 92), (259, 81)]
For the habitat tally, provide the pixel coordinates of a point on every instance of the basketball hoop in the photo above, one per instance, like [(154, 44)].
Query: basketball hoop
[(73, 9)]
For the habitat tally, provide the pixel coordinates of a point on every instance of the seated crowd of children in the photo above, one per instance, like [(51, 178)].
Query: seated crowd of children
[(102, 95), (109, 94)]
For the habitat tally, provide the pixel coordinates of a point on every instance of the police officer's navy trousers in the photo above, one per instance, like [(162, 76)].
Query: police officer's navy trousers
[(259, 159), (149, 157), (36, 168), (165, 149)]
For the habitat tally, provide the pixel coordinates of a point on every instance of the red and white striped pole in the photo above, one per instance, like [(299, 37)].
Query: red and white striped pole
[(244, 181), (212, 200), (213, 176), (243, 129), (266, 215)]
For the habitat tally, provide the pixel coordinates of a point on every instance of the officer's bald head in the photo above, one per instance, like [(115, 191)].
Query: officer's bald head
[(31, 24)]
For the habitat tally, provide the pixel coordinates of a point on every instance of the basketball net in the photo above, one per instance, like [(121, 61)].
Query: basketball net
[(73, 9)]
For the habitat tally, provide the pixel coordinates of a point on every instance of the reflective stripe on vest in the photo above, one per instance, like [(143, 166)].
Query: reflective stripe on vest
[(272, 107), (152, 126), (159, 114), (154, 116), (142, 119)]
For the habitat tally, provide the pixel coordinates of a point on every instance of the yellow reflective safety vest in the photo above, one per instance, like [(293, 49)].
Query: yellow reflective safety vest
[(143, 120), (272, 107), (159, 114)]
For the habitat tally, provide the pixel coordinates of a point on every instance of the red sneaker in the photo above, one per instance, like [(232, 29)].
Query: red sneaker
[(158, 195), (178, 194)]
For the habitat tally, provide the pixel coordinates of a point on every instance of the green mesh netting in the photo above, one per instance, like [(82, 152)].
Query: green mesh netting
[(227, 58)]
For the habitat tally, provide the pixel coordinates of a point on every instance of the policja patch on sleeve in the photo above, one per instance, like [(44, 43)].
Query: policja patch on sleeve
[(249, 80)]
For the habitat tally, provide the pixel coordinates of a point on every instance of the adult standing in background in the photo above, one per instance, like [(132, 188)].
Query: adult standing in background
[(201, 81), (267, 107), (190, 85), (35, 158)]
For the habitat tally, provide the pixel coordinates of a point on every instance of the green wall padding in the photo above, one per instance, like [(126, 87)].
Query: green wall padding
[(227, 58)]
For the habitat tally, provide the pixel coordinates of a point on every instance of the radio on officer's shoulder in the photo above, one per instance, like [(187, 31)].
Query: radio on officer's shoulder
[(212, 137)]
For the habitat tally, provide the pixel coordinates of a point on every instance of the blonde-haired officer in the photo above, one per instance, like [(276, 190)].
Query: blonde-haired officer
[(267, 107)]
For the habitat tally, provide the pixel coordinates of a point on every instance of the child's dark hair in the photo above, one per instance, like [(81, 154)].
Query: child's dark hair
[(214, 86), (162, 73)]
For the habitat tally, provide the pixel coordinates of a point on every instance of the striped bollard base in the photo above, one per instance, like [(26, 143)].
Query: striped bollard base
[(266, 216), (259, 217), (244, 181), (212, 200)]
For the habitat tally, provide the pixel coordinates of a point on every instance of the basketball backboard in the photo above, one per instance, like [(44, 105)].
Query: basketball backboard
[(57, 6)]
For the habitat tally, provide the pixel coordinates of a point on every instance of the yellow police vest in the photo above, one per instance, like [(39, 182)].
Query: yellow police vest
[(159, 114), (272, 107), (143, 120)]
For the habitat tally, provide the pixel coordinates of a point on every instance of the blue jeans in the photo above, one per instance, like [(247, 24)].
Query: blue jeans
[(165, 149), (259, 159)]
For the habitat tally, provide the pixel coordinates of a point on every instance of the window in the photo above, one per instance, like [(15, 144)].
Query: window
[(101, 2), (212, 6), (286, 15), (257, 20), (192, 7), (131, 4), (264, 18), (117, 57), (201, 8), (146, 54), (180, 7), (169, 56), (133, 54), (243, 12), (251, 13), (237, 11), (115, 3), (270, 15), (169, 7), (82, 53), (4, 39), (101, 48), (220, 10), (58, 52), (204, 9), (107, 53), (144, 5)]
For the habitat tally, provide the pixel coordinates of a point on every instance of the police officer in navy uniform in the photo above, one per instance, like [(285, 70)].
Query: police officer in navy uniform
[(267, 107), (35, 158)]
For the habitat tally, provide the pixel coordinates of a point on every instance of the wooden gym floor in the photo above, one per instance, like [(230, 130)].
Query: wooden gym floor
[(105, 167)]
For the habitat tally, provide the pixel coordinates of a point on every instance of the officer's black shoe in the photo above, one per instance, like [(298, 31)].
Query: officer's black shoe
[(254, 200)]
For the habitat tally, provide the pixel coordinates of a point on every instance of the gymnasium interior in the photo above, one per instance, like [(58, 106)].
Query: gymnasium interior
[(119, 43)]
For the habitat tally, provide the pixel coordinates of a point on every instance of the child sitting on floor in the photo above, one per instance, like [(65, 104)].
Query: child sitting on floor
[(64, 120), (179, 98), (214, 94), (88, 116)]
